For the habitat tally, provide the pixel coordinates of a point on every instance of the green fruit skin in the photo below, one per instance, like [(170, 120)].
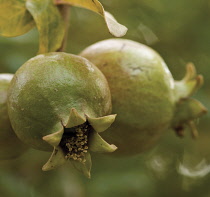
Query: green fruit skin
[(47, 87), (142, 93), (10, 146)]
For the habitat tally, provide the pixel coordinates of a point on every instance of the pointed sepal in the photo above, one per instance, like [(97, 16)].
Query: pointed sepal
[(75, 119), (54, 138), (187, 111), (83, 166), (102, 123), (189, 84), (57, 159), (180, 130), (99, 145), (193, 129)]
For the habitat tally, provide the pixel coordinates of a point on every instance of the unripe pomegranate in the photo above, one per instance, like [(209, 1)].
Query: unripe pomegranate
[(145, 96), (10, 146), (63, 101)]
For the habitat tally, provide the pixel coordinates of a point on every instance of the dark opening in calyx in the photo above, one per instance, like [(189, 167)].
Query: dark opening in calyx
[(74, 142), (76, 139)]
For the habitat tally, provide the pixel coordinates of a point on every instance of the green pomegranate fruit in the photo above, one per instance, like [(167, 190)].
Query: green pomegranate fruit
[(62, 101), (144, 94), (10, 146)]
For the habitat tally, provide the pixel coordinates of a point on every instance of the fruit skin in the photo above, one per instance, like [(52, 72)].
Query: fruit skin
[(144, 93), (10, 146), (56, 91), (44, 90)]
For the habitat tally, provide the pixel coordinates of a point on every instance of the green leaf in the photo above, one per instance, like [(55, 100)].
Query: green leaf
[(114, 27), (49, 23), (15, 20)]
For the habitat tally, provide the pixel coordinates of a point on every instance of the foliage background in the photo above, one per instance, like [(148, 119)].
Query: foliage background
[(180, 31)]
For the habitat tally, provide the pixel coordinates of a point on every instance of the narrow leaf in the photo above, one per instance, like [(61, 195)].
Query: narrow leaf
[(98, 145), (114, 27), (15, 20), (49, 24)]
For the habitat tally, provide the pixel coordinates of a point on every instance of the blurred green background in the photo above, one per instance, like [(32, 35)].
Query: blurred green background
[(180, 31)]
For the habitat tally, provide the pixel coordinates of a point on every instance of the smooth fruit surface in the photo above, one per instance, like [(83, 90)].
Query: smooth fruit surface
[(144, 93), (130, 67), (10, 145), (141, 87), (61, 100), (45, 89)]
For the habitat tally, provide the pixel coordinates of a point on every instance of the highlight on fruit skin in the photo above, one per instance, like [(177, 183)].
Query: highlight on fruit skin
[(60, 102), (145, 96), (10, 146)]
